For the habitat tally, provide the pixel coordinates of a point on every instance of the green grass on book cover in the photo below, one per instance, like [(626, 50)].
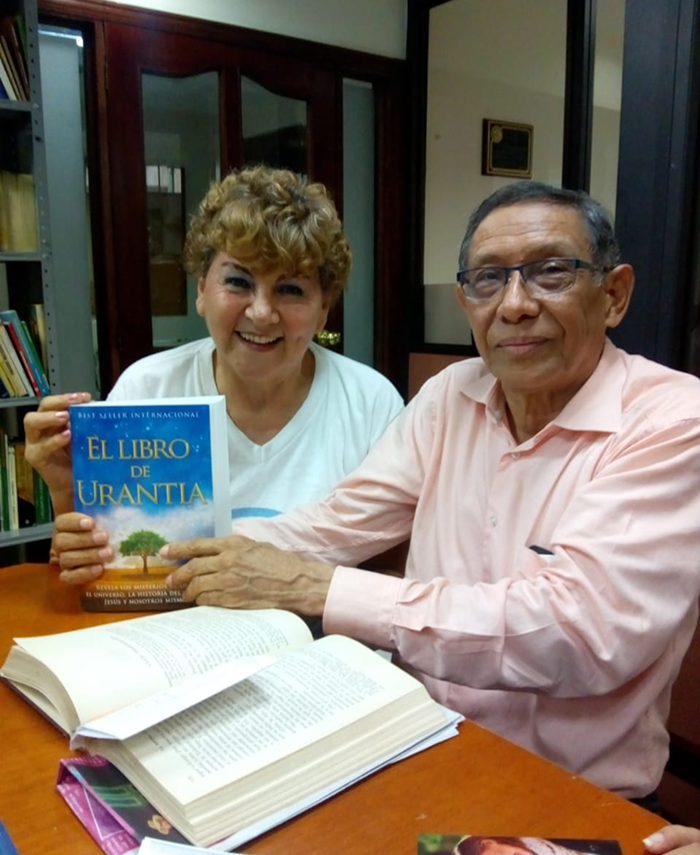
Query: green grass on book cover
[(149, 473), (492, 844)]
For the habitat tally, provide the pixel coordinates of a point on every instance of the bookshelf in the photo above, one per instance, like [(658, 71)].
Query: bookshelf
[(26, 270)]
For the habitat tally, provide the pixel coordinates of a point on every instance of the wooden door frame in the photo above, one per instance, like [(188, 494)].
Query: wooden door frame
[(387, 77)]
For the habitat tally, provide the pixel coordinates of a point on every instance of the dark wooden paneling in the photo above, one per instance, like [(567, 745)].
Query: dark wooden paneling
[(578, 101), (657, 172)]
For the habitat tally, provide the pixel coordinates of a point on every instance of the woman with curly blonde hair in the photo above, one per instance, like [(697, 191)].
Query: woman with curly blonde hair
[(270, 258)]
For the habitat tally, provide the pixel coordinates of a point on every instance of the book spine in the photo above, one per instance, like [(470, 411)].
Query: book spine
[(5, 381), (13, 366), (37, 326), (39, 498), (40, 370), (19, 350), (12, 487), (26, 495)]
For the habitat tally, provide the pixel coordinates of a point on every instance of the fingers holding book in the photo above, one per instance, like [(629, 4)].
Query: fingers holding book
[(80, 548), (47, 436), (236, 572)]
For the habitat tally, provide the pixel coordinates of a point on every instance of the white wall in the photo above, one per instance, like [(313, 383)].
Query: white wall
[(374, 26)]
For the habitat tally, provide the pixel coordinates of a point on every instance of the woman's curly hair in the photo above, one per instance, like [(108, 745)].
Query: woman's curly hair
[(270, 219)]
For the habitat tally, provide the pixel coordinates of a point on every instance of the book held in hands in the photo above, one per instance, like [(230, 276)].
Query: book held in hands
[(228, 722), (149, 472)]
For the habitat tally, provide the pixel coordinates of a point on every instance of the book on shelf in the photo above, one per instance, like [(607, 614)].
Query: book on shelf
[(4, 388), (36, 359), (43, 508), (13, 367), (37, 329), (7, 92), (4, 488), (12, 485), (496, 844), (7, 75), (228, 722), (14, 51), (25, 350), (18, 222), (149, 472)]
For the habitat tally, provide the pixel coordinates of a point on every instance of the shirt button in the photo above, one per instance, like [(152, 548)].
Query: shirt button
[(494, 520), (515, 455)]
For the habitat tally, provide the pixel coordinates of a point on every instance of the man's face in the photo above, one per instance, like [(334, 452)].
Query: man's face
[(538, 346)]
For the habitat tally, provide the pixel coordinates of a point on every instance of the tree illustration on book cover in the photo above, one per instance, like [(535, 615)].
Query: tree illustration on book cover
[(148, 475)]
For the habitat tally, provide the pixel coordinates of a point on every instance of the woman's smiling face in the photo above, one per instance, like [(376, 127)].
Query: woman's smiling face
[(262, 323)]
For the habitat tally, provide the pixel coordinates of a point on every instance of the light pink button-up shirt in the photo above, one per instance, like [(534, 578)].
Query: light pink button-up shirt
[(573, 654)]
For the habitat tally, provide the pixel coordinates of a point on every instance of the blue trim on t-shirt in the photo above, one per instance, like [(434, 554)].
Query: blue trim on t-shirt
[(239, 513)]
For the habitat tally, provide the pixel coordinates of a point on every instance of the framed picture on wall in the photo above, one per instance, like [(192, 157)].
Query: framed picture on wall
[(506, 149)]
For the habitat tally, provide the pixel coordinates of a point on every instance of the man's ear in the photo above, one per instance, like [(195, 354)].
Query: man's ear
[(618, 286)]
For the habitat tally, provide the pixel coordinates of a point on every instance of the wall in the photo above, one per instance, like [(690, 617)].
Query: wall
[(374, 26)]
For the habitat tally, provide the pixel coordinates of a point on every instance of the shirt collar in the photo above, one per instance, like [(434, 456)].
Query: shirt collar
[(597, 406)]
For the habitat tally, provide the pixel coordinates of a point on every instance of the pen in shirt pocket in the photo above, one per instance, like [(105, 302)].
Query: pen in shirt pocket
[(540, 550)]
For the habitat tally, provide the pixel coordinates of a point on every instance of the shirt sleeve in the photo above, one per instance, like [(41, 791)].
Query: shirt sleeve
[(622, 580)]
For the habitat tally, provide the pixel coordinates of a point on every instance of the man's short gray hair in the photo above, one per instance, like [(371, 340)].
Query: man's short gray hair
[(605, 250)]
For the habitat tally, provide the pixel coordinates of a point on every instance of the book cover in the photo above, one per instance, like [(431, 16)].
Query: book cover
[(149, 473), (113, 811), (474, 844)]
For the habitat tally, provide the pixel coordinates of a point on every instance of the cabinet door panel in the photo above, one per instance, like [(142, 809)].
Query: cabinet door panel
[(182, 111)]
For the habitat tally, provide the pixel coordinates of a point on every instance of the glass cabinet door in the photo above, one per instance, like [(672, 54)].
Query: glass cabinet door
[(182, 153)]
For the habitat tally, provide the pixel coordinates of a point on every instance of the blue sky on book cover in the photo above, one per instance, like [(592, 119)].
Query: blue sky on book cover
[(151, 469)]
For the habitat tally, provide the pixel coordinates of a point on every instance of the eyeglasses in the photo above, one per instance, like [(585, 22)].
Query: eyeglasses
[(542, 278)]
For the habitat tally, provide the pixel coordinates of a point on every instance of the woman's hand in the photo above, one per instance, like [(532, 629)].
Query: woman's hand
[(47, 437), (79, 548), (678, 839)]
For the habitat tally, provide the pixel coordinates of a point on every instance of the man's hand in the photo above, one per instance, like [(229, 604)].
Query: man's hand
[(79, 548), (239, 573), (674, 838)]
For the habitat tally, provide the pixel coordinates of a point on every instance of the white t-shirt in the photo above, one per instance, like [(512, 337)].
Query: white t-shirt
[(345, 412)]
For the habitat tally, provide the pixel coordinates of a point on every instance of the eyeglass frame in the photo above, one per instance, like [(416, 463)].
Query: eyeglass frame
[(579, 264)]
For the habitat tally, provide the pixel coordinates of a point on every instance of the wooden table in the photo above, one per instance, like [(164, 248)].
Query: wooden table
[(477, 783)]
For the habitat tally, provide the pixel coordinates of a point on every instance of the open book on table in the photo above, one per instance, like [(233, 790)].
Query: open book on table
[(224, 719)]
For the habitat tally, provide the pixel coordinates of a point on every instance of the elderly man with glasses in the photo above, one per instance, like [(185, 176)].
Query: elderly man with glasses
[(551, 493)]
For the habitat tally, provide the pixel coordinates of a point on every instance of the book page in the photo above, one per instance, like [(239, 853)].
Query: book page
[(108, 667), (302, 698)]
